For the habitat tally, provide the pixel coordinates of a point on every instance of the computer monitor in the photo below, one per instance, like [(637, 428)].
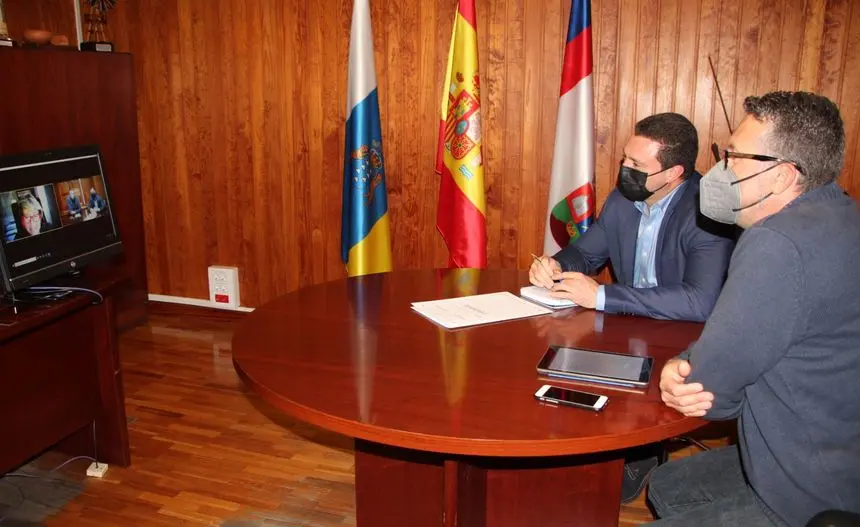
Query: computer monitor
[(57, 215)]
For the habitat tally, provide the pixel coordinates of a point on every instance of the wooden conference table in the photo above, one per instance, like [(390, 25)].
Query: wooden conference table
[(447, 431)]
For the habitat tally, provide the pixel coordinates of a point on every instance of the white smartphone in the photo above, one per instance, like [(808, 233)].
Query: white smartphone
[(588, 401)]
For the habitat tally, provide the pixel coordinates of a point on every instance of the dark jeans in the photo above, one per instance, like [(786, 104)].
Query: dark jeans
[(704, 490)]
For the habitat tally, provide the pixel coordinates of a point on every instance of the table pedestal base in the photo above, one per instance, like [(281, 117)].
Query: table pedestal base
[(398, 487)]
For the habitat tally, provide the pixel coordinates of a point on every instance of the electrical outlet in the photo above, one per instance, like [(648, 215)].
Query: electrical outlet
[(97, 470), (224, 285)]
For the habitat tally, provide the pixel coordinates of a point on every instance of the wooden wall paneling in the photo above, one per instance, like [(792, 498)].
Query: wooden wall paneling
[(512, 157), (627, 42), (813, 31), (183, 109), (705, 104), (155, 67), (156, 71), (213, 177), (492, 28), (228, 180), (256, 253), (749, 37), (403, 187), (769, 46), (406, 93), (420, 184), (531, 207), (421, 218), (793, 21), (606, 93), (421, 215), (646, 52), (850, 104), (726, 62), (392, 63), (832, 49), (668, 31), (197, 127), (320, 129), (688, 66), (288, 174)]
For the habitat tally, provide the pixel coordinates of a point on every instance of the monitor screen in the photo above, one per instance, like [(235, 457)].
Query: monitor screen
[(56, 214)]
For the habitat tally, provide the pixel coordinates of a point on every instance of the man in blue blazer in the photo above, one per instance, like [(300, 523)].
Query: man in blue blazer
[(669, 261)]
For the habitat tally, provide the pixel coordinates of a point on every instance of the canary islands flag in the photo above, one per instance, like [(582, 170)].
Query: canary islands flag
[(365, 237), (571, 191), (461, 214)]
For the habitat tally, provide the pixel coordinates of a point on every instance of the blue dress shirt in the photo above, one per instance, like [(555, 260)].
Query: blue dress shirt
[(645, 268)]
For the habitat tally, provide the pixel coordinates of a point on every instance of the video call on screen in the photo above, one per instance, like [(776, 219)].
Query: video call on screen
[(63, 212)]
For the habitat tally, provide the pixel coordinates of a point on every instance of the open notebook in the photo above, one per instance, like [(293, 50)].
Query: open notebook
[(542, 296), (478, 309)]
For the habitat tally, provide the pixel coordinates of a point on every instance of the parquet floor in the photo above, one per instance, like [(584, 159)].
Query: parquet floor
[(205, 450)]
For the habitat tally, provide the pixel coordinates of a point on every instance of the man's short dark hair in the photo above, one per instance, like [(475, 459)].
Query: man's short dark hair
[(807, 130), (679, 142)]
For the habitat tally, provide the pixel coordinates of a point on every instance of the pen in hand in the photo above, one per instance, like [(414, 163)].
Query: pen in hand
[(548, 271)]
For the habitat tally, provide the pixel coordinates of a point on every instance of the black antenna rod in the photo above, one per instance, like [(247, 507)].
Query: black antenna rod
[(720, 93), (714, 148)]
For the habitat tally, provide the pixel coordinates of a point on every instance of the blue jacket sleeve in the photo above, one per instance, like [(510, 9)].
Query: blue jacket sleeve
[(590, 252), (694, 298), (758, 315)]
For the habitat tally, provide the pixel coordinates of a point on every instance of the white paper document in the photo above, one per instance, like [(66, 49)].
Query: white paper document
[(542, 295), (472, 310)]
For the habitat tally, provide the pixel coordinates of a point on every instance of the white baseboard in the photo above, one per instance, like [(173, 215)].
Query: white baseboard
[(200, 302)]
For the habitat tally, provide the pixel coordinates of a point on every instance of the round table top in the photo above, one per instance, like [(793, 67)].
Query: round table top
[(351, 356)]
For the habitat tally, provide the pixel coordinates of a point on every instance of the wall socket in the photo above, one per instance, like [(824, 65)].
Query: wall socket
[(224, 285)]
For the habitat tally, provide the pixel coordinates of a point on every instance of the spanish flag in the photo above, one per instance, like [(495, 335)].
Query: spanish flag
[(461, 214), (365, 237)]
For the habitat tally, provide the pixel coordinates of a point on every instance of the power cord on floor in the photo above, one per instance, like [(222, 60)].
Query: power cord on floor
[(22, 475)]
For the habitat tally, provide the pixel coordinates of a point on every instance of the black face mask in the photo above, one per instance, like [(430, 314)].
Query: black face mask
[(631, 183)]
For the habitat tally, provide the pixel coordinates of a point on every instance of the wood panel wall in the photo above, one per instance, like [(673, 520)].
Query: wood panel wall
[(242, 105)]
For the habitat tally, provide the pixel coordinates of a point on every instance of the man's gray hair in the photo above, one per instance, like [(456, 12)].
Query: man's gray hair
[(807, 130)]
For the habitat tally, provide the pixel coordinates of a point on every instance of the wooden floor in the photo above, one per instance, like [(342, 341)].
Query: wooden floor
[(205, 450)]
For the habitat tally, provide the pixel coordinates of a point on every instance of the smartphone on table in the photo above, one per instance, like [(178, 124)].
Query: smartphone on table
[(568, 397)]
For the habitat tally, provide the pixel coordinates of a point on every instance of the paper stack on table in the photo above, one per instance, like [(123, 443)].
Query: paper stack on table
[(472, 310)]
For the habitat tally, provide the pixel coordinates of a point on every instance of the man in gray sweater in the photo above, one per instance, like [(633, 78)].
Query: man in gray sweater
[(781, 350)]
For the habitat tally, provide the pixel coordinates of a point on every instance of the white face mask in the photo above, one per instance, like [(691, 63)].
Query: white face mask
[(720, 193)]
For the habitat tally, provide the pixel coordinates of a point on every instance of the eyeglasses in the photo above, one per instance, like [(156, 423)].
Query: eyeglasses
[(757, 157)]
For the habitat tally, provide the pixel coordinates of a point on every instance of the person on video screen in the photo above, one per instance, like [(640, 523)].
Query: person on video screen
[(96, 201), (73, 203), (31, 217)]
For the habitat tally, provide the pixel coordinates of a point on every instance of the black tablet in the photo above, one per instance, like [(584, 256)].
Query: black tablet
[(596, 366)]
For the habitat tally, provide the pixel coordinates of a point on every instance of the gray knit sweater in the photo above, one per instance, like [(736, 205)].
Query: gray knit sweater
[(781, 351)]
